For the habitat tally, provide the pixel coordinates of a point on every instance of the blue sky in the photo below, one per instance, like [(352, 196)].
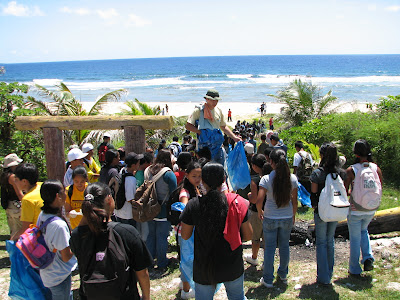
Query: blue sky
[(44, 30)]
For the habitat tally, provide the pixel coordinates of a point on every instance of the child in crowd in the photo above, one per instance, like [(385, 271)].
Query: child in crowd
[(260, 165), (111, 166), (279, 190), (26, 178), (56, 276), (217, 256), (92, 233), (183, 160), (357, 220), (324, 231), (75, 196), (145, 162), (188, 190), (92, 168)]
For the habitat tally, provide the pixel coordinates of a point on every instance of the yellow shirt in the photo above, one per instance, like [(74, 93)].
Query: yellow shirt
[(92, 169), (31, 205), (216, 113), (76, 204)]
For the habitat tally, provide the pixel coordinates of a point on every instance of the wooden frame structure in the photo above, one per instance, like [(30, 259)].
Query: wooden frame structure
[(53, 126)]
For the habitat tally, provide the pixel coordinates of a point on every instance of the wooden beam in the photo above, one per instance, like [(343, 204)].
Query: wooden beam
[(54, 149), (99, 122), (135, 139)]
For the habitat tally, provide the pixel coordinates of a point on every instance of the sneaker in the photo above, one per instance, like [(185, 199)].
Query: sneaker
[(188, 295), (251, 260), (368, 264), (283, 279), (268, 285)]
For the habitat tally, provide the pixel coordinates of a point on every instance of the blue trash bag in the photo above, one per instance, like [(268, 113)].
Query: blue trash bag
[(212, 139), (187, 258), (238, 169), (25, 281), (303, 195)]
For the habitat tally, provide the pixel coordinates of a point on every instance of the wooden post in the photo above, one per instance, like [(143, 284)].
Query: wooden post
[(54, 149), (135, 139)]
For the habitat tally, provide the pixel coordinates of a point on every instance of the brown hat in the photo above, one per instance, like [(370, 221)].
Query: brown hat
[(212, 95), (11, 160)]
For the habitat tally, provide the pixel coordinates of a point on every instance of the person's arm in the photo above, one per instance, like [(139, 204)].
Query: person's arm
[(294, 203), (24, 226), (349, 179), (192, 128), (66, 254), (144, 282), (294, 170), (170, 179), (18, 192), (229, 133), (186, 231), (253, 192), (260, 200), (183, 196), (246, 231), (379, 171)]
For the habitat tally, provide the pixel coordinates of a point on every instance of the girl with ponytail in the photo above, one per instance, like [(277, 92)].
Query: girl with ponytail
[(217, 240), (91, 235), (57, 276), (279, 190), (324, 231)]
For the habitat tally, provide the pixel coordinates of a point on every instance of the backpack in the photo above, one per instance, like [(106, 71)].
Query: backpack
[(117, 186), (305, 168), (102, 153), (33, 246), (366, 192), (173, 215), (333, 204), (108, 271), (175, 149), (145, 206)]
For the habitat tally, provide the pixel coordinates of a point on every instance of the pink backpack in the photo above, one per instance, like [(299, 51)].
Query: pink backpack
[(366, 193), (33, 246)]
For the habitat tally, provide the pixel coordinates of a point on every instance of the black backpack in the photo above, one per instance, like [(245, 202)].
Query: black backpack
[(107, 274), (117, 186), (305, 168), (173, 215)]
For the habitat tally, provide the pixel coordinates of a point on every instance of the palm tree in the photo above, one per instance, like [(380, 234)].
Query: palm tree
[(304, 102), (64, 103)]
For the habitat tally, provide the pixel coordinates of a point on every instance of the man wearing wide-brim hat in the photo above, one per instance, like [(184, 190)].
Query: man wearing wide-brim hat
[(210, 123)]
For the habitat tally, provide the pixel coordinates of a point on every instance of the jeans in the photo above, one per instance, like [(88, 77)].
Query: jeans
[(63, 290), (126, 221), (359, 238), (325, 242), (157, 241), (276, 231), (234, 290), (143, 229)]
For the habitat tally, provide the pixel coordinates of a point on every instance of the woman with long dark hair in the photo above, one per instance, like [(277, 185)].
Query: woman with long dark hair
[(358, 220), (217, 257), (91, 235), (159, 227), (111, 166), (57, 276), (324, 231), (279, 189)]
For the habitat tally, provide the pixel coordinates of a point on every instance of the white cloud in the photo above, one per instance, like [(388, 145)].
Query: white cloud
[(19, 10), (107, 14), (137, 21), (77, 11), (340, 17), (393, 8), (372, 7)]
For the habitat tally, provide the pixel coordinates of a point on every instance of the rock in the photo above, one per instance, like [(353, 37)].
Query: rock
[(393, 286), (388, 267)]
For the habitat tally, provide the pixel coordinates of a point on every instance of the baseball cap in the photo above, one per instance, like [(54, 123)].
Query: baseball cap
[(76, 154), (106, 134), (87, 147), (131, 157), (249, 148), (11, 160)]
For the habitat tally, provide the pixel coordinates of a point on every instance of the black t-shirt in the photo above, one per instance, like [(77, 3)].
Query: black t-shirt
[(106, 173), (82, 241), (228, 264), (256, 179)]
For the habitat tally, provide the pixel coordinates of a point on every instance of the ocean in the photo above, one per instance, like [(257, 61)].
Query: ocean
[(352, 78)]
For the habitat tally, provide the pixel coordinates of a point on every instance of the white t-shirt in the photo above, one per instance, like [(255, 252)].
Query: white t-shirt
[(56, 236), (297, 158), (68, 177), (130, 190)]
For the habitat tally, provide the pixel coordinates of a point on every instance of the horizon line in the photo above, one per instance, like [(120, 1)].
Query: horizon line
[(195, 56)]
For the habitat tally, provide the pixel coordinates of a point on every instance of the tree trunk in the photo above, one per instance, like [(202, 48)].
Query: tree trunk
[(54, 148), (135, 139)]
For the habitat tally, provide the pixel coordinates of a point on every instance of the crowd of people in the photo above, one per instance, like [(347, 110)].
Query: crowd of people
[(214, 221)]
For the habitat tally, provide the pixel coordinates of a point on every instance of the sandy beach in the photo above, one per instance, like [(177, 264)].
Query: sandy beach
[(240, 110)]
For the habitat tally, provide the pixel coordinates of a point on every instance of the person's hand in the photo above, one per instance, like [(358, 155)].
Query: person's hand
[(352, 207), (249, 195), (237, 139), (261, 214)]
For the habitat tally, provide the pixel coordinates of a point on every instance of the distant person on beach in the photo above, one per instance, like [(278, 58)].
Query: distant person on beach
[(211, 122), (166, 108), (271, 123), (103, 147), (229, 115)]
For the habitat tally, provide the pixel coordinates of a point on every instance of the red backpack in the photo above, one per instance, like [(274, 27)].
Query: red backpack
[(102, 153)]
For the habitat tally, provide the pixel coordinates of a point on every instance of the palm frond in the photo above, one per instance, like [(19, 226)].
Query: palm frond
[(108, 97), (133, 110), (146, 109), (33, 103)]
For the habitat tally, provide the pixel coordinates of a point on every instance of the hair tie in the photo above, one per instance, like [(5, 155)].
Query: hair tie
[(90, 198)]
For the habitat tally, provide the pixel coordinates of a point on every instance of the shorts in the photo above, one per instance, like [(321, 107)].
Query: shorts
[(257, 225)]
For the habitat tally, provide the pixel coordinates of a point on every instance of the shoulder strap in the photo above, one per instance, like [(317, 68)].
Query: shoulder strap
[(70, 191), (47, 222), (160, 174)]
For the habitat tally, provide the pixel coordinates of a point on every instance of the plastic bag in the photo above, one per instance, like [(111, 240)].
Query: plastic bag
[(238, 169), (303, 195), (25, 281)]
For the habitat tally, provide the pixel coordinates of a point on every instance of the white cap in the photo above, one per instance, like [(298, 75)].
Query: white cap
[(76, 154), (87, 147), (106, 134), (249, 148), (11, 160)]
